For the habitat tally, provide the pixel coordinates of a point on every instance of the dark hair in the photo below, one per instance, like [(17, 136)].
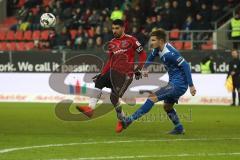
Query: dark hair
[(160, 34), (118, 22)]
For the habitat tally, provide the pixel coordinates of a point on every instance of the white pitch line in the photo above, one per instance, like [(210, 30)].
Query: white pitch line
[(157, 156), (7, 150)]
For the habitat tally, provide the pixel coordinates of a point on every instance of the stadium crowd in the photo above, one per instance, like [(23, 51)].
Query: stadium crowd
[(86, 24)]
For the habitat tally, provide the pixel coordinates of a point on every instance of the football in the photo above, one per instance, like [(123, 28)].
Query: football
[(47, 20)]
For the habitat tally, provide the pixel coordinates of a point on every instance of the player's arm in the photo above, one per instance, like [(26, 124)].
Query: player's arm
[(141, 53), (107, 65), (180, 61), (141, 59), (150, 58)]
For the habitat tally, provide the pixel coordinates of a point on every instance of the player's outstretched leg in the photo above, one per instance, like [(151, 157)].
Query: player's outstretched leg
[(126, 121), (172, 114), (89, 110)]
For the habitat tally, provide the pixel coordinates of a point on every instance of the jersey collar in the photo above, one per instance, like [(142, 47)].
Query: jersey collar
[(164, 51)]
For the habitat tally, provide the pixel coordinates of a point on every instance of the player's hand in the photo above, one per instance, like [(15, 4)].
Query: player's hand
[(193, 91), (96, 77), (138, 73)]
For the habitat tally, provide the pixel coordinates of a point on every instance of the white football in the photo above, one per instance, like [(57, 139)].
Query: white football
[(47, 20)]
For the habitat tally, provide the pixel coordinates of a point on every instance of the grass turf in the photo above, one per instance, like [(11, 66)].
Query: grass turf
[(212, 132)]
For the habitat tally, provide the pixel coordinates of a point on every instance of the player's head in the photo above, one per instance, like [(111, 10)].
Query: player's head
[(234, 53), (158, 38), (118, 28)]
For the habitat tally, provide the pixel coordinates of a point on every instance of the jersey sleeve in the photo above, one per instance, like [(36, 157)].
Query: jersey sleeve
[(137, 46), (150, 58), (107, 65), (141, 52), (181, 62)]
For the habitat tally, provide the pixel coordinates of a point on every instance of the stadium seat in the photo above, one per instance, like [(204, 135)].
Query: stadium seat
[(188, 45), (2, 35), (73, 33), (207, 46), (20, 46), (21, 3), (174, 34), (11, 46), (90, 32), (27, 35), (178, 45), (36, 35), (29, 45), (10, 35), (44, 35), (46, 2), (19, 35), (3, 46)]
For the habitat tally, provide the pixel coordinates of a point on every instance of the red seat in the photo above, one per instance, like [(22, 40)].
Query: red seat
[(2, 35), (44, 35), (19, 35), (73, 33), (21, 3), (27, 35), (10, 36), (46, 2), (29, 45), (174, 34), (3, 46), (36, 35), (90, 32), (11, 46), (178, 45), (188, 45), (207, 46), (20, 46)]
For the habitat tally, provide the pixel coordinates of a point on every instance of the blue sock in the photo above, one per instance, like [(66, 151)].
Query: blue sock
[(146, 107), (172, 114)]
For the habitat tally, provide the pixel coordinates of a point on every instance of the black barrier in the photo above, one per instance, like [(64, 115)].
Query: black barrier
[(49, 61)]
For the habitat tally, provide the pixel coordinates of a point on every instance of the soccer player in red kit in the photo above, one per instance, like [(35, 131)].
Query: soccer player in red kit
[(118, 72)]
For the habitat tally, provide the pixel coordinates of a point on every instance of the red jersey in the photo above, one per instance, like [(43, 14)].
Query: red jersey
[(121, 52)]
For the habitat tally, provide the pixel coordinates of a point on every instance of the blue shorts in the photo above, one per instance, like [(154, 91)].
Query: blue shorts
[(170, 93)]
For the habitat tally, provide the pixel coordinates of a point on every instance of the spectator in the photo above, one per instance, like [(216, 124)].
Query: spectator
[(200, 24), (235, 27), (98, 31), (187, 26), (207, 65), (189, 8), (176, 14), (149, 25), (205, 12), (166, 12), (160, 23), (98, 43), (90, 43), (215, 12), (61, 39), (106, 35), (68, 44), (94, 18), (116, 13)]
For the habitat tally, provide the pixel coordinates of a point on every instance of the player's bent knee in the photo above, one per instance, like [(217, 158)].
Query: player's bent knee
[(167, 106), (153, 98), (114, 99)]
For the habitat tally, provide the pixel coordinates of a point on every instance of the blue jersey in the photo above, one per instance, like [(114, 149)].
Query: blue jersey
[(177, 67)]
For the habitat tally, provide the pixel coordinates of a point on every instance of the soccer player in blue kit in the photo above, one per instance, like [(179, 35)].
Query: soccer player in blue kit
[(179, 81)]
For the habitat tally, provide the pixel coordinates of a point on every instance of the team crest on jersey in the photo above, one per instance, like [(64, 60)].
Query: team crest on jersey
[(125, 44)]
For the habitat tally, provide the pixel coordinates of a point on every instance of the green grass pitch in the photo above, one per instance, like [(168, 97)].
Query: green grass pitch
[(31, 131)]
